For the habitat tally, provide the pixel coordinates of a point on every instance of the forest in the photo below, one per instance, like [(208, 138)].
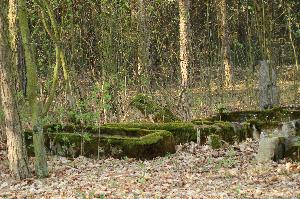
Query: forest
[(149, 99)]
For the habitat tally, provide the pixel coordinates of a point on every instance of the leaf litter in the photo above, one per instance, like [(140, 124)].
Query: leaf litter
[(192, 172)]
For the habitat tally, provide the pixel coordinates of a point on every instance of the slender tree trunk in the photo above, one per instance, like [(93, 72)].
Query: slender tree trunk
[(57, 40), (269, 95), (225, 40), (185, 48), (41, 168), (54, 31), (13, 37), (296, 68), (143, 45), (53, 88), (17, 154), (292, 40)]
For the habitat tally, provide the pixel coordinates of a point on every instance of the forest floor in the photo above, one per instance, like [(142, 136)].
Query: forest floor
[(192, 172)]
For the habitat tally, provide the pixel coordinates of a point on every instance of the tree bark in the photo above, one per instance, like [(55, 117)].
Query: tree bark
[(143, 45), (296, 68), (17, 154), (225, 40), (41, 168), (185, 48), (13, 37), (141, 42), (54, 31)]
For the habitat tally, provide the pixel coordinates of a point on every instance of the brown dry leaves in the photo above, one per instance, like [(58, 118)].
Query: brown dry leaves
[(193, 172)]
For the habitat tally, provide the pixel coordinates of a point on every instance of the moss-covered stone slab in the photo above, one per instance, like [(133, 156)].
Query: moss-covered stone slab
[(265, 120), (103, 130), (228, 131), (186, 131), (275, 114), (182, 131), (151, 108), (106, 141)]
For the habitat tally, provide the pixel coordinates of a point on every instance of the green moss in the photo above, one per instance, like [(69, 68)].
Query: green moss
[(186, 131), (202, 121), (214, 141), (259, 125), (206, 130), (103, 130), (246, 132), (227, 131), (147, 144), (149, 107), (182, 132), (127, 137), (275, 114)]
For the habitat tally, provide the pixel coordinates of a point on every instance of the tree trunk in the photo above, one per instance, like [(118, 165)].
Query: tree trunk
[(225, 40), (296, 68), (185, 48), (54, 32), (41, 168), (17, 154), (13, 38), (268, 89), (143, 45)]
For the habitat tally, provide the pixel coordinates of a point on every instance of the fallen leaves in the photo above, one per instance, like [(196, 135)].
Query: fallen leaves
[(193, 172), (290, 167)]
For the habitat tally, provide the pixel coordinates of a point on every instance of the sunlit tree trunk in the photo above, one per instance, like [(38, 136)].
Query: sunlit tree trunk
[(250, 56), (225, 40), (13, 37), (17, 154), (296, 68), (185, 48), (139, 20), (41, 168), (143, 44)]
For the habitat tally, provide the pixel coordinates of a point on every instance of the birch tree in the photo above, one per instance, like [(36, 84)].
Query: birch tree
[(185, 48)]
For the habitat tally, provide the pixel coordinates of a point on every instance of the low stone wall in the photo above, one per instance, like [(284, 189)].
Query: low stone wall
[(115, 142), (189, 131), (149, 140)]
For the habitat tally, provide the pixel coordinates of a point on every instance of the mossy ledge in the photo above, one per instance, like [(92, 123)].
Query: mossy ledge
[(137, 140), (274, 114), (263, 120), (182, 131), (187, 131), (115, 142)]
